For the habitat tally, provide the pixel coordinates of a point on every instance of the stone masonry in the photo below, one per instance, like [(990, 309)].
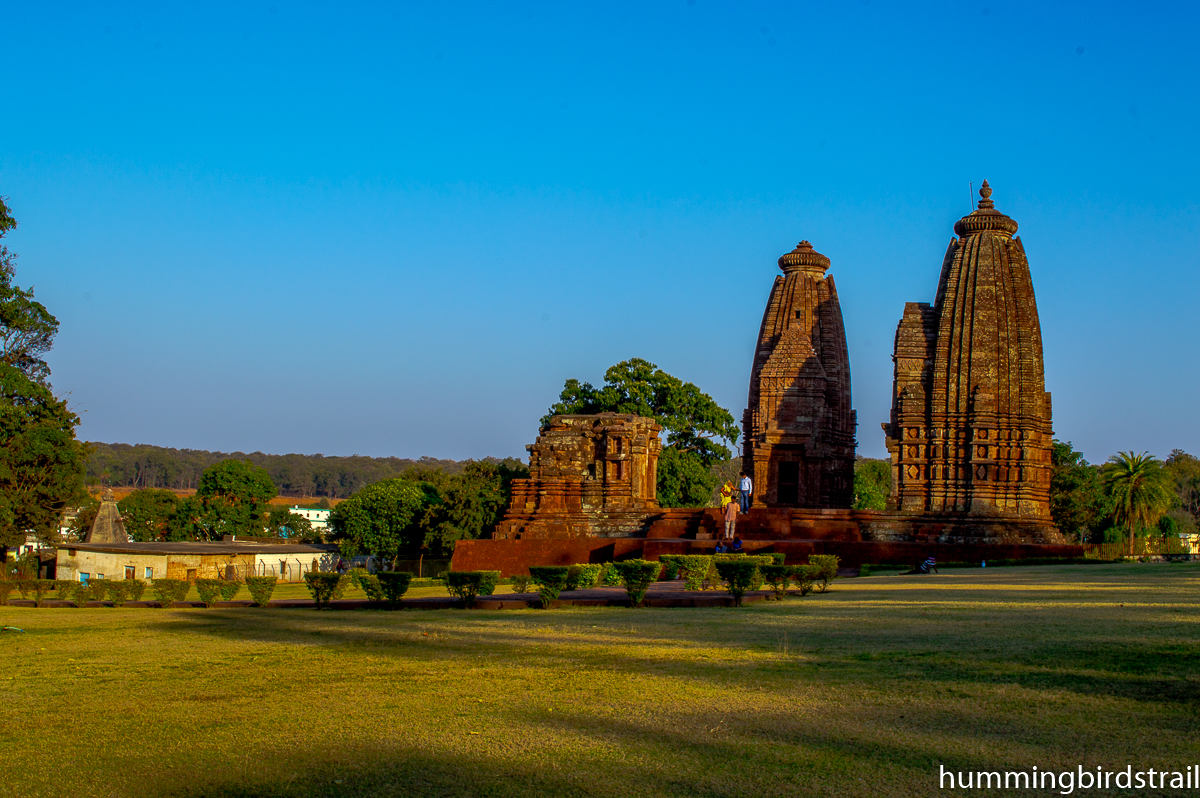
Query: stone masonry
[(589, 476), (798, 425), (970, 428)]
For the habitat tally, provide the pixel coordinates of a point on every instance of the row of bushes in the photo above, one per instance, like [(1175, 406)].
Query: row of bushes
[(119, 591)]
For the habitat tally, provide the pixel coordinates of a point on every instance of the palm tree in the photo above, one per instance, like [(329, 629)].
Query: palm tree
[(1138, 486)]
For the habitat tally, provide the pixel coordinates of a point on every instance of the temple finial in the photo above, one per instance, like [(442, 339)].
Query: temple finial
[(985, 191)]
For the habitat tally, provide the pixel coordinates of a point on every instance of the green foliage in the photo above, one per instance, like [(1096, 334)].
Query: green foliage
[(1078, 503), (86, 510), (118, 591), (695, 569), (381, 519), (487, 585), (370, 585), (693, 422), (394, 584), (550, 580), (230, 500), (41, 463), (1183, 471), (322, 585), (6, 587), (738, 576), (671, 566), (64, 588), (27, 329), (827, 568), (520, 584), (583, 576), (137, 589), (210, 590), (805, 576), (282, 522), (261, 588), (778, 577), (637, 575), (466, 585), (149, 515), (1139, 491), (467, 505), (872, 483), (167, 591), (609, 576), (94, 590)]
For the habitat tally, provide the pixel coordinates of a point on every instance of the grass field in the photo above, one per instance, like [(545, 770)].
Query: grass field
[(862, 691)]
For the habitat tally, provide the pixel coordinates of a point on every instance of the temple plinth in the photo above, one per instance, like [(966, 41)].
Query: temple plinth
[(798, 426), (970, 430)]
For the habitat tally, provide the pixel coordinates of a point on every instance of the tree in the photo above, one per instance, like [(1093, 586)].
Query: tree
[(41, 462), (1137, 486), (1184, 472), (85, 516), (149, 514), (282, 522), (466, 505), (693, 422), (872, 483), (1078, 503), (230, 500), (27, 329), (381, 519)]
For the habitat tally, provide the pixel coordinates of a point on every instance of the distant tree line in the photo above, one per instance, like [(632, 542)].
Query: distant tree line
[(145, 466)]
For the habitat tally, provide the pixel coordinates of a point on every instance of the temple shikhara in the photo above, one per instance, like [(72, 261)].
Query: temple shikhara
[(798, 428), (969, 436), (970, 428)]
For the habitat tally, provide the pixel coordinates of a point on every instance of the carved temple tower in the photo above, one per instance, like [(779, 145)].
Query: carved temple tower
[(798, 426), (970, 425)]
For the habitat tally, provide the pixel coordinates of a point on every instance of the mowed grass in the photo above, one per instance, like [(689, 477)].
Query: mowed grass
[(863, 691)]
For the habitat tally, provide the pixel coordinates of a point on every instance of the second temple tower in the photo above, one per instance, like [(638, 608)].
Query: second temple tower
[(798, 426)]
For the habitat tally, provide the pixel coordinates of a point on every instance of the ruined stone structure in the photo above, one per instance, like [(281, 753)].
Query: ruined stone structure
[(798, 426), (108, 526), (589, 475), (970, 425)]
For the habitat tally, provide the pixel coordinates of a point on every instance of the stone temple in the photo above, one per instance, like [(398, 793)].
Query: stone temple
[(798, 425), (970, 428)]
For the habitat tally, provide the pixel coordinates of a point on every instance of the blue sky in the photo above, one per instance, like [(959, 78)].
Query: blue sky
[(397, 229)]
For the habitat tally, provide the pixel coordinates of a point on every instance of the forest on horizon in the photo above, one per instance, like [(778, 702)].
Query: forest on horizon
[(301, 475)]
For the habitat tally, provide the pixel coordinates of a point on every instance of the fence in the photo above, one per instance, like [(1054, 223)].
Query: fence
[(1157, 546)]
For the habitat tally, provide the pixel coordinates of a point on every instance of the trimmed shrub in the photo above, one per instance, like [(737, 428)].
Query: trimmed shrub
[(778, 577), (167, 591), (356, 577), (394, 584), (24, 586), (520, 584), (370, 585), (344, 581), (777, 557), (738, 575), (638, 575), (6, 587), (261, 588), (322, 585), (229, 589), (464, 585), (672, 564), (827, 568), (581, 577), (550, 580), (427, 581), (487, 585), (804, 575), (64, 588), (695, 569), (118, 591), (93, 591), (609, 576), (209, 590)]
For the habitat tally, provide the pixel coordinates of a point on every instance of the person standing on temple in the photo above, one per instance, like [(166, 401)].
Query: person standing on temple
[(746, 487), (731, 514)]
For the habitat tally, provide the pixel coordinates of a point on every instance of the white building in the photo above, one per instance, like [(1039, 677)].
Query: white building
[(317, 517)]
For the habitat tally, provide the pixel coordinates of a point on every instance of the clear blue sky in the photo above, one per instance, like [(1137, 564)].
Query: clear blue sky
[(396, 229)]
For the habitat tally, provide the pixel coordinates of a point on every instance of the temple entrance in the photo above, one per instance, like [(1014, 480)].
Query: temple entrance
[(788, 485)]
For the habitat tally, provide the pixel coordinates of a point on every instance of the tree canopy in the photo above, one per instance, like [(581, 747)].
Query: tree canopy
[(27, 329), (149, 515), (693, 422), (282, 522), (1078, 503), (381, 519), (1137, 486), (872, 483), (230, 500)]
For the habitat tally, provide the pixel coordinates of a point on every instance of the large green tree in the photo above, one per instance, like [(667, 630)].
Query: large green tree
[(695, 424), (1183, 470), (282, 522), (1078, 503), (150, 515), (230, 500), (383, 519), (27, 329), (1139, 491), (467, 505)]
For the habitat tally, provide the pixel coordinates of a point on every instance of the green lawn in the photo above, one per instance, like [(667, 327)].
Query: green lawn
[(862, 691)]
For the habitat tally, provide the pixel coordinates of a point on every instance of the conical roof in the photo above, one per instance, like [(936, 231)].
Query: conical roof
[(804, 259), (108, 526)]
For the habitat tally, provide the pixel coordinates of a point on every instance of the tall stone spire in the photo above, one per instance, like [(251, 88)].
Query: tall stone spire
[(108, 526), (970, 425), (798, 428)]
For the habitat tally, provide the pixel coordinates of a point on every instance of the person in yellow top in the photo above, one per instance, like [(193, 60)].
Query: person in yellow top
[(727, 491)]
